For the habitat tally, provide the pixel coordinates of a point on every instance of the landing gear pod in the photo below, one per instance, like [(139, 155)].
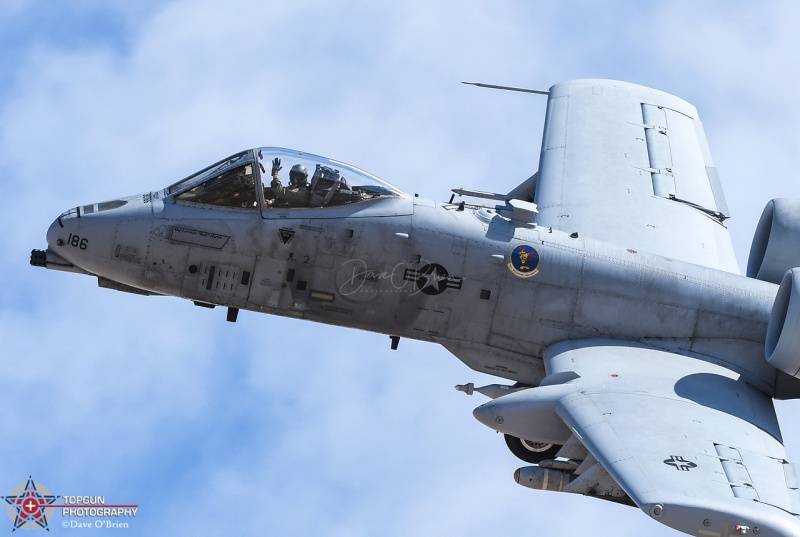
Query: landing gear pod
[(782, 348)]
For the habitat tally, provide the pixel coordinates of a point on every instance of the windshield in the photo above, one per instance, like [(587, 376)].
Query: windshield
[(294, 180), (209, 171), (234, 187)]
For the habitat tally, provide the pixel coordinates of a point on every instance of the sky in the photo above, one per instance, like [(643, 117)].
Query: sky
[(283, 427)]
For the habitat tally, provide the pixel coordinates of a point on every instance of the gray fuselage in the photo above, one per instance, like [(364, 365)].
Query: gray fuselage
[(411, 268)]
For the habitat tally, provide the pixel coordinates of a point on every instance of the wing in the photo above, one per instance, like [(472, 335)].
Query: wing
[(629, 165), (691, 443)]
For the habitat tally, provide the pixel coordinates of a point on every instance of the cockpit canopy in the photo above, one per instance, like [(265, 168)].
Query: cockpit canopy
[(274, 178)]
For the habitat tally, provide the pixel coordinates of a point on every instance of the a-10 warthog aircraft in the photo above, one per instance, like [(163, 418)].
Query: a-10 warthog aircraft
[(604, 287)]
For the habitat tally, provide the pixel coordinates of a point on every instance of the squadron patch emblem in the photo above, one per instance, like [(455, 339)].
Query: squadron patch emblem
[(524, 261)]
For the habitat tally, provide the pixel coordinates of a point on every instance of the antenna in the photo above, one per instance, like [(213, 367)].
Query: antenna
[(508, 88)]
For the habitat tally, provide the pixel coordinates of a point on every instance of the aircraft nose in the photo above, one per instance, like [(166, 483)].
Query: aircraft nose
[(81, 237), (54, 234), (63, 234), (58, 255), (88, 236)]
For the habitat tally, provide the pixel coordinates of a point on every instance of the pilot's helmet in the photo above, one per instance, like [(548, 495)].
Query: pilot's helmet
[(298, 175)]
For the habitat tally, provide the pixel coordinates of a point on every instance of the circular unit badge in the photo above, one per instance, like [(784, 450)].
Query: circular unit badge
[(524, 261)]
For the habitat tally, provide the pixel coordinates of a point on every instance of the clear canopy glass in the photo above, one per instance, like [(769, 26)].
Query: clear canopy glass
[(280, 179), (293, 179), (229, 162)]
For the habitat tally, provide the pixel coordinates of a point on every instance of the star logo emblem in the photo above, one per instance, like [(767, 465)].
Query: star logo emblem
[(680, 463), (432, 279), (28, 503)]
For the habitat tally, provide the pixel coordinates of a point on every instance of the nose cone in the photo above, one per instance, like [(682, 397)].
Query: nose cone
[(84, 236), (90, 237), (56, 235), (62, 233), (67, 236)]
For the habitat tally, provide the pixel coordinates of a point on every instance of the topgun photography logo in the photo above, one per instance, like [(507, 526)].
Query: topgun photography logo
[(31, 506), (28, 504)]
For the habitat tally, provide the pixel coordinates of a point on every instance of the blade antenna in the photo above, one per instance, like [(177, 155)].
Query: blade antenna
[(508, 88)]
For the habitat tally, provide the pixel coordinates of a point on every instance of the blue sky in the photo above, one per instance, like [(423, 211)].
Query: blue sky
[(283, 427)]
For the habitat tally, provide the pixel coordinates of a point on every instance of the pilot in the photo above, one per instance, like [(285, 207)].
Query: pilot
[(298, 176), (296, 193)]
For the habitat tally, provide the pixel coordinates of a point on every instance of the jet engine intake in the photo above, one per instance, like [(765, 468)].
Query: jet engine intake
[(776, 243), (782, 348)]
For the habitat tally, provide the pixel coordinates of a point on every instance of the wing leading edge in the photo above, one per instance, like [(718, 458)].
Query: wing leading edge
[(691, 443), (630, 165)]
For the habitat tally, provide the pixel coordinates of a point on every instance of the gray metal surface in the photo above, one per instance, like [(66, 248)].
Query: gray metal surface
[(615, 159)]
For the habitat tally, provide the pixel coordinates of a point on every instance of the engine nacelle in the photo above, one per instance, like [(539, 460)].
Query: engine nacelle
[(776, 243), (535, 477), (782, 348)]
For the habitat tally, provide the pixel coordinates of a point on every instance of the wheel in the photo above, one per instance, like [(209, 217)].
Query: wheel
[(532, 452)]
